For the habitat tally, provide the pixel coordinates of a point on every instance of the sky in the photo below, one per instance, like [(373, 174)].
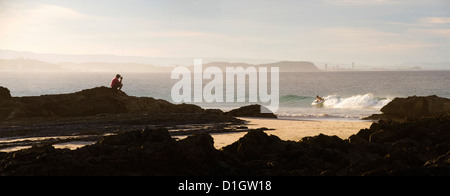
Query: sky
[(373, 32)]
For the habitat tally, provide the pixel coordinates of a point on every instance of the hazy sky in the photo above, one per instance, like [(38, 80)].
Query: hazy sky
[(340, 31)]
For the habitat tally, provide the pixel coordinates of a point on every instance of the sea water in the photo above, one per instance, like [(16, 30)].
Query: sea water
[(349, 95)]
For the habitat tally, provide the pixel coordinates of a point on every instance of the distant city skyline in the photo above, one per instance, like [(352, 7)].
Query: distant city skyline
[(366, 32)]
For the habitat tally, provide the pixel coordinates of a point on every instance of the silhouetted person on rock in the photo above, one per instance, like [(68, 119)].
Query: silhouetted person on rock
[(117, 82)]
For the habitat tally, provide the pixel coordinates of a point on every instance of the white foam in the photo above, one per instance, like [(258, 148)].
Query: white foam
[(356, 101)]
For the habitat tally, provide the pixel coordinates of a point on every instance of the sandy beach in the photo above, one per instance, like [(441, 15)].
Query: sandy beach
[(295, 129)]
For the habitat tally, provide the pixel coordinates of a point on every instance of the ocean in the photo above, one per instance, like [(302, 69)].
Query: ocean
[(349, 95)]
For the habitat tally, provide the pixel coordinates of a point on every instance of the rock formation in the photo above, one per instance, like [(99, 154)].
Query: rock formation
[(414, 107), (251, 111), (5, 103), (418, 147), (89, 102), (4, 94)]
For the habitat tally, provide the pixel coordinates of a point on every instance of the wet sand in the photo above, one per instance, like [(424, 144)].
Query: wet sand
[(295, 129)]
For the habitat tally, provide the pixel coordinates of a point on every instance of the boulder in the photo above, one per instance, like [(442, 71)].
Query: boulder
[(4, 94), (252, 111), (414, 107), (199, 148), (6, 103), (255, 144), (323, 141), (418, 106)]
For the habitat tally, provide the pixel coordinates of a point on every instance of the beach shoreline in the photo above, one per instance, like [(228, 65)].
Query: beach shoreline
[(294, 130)]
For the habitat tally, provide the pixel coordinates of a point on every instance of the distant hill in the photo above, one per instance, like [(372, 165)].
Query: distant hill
[(426, 66), (108, 58), (142, 63), (285, 66), (22, 64)]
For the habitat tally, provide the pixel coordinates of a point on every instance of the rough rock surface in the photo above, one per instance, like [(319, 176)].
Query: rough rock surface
[(89, 102), (5, 103), (146, 152), (252, 111), (4, 94), (419, 147), (414, 107)]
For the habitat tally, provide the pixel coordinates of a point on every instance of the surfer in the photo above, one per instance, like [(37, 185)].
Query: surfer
[(319, 99), (117, 82)]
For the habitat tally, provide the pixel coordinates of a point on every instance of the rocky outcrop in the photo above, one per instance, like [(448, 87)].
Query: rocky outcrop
[(252, 111), (103, 100), (146, 152), (402, 148), (419, 147), (5, 95), (6, 104), (89, 102), (254, 145), (414, 107)]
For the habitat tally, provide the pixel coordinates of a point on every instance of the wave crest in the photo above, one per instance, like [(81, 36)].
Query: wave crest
[(357, 101)]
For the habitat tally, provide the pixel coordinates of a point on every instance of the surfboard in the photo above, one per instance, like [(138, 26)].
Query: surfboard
[(315, 102)]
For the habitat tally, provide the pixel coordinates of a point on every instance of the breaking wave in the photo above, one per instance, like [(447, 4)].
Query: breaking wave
[(357, 101), (335, 101)]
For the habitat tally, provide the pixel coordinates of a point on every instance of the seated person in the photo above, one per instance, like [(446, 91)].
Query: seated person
[(117, 82)]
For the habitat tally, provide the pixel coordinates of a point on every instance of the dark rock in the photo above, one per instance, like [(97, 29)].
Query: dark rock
[(355, 139), (199, 148), (4, 94), (255, 144), (440, 161), (130, 138), (413, 147), (252, 111), (214, 111), (156, 135), (324, 141), (365, 133), (381, 136), (418, 107), (101, 100), (6, 103), (414, 107)]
